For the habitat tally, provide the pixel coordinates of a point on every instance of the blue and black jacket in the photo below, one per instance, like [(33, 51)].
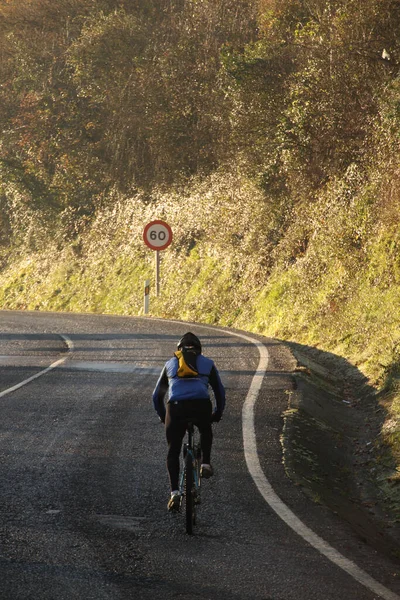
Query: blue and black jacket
[(188, 388)]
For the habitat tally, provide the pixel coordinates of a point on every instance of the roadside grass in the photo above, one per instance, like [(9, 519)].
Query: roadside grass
[(66, 284)]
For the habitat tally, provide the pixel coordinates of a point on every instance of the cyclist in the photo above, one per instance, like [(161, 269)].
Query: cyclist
[(187, 377)]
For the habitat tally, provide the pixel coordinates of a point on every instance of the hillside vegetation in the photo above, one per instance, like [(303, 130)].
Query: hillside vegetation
[(266, 132)]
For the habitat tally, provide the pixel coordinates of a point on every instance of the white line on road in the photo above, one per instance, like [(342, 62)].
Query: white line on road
[(55, 364), (268, 493), (113, 367)]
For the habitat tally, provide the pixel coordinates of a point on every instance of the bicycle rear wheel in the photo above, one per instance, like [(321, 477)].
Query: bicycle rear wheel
[(189, 503)]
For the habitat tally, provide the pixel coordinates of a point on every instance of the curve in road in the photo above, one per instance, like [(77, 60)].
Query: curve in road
[(254, 465)]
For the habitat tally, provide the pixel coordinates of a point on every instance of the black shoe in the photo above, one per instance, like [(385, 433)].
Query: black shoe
[(206, 471), (174, 503)]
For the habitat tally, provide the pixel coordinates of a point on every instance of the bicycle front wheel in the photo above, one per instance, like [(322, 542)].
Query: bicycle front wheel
[(189, 503)]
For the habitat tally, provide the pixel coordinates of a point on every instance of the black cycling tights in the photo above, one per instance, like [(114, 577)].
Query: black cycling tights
[(178, 414)]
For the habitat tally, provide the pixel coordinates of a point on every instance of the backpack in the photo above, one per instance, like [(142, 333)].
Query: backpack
[(187, 364)]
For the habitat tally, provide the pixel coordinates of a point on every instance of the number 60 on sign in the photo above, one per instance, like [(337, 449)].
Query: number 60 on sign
[(157, 235)]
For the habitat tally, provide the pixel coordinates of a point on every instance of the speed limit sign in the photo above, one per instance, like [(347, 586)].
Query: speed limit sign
[(157, 235)]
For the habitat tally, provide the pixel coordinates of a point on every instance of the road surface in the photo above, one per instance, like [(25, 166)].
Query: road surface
[(83, 484)]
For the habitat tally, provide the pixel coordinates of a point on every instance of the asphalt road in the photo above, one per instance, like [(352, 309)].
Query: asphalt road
[(83, 484)]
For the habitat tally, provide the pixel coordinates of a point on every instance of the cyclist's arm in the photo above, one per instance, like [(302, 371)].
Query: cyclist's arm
[(159, 394), (218, 389)]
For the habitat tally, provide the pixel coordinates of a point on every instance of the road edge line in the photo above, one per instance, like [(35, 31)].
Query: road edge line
[(54, 365)]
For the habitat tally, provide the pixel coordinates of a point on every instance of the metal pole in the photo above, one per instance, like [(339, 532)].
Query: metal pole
[(157, 273)]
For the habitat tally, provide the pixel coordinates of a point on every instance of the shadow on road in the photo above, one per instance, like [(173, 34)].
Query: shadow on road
[(333, 448)]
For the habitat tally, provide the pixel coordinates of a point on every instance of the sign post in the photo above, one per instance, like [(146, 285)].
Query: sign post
[(157, 273), (157, 235)]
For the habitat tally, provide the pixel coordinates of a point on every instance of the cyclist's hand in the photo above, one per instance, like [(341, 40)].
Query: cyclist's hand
[(216, 416)]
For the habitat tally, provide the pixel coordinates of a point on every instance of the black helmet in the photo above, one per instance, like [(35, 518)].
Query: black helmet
[(189, 340)]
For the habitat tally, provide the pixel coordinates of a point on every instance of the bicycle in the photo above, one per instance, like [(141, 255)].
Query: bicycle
[(190, 480)]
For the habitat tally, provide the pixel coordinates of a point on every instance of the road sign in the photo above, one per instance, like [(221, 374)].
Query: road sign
[(157, 235)]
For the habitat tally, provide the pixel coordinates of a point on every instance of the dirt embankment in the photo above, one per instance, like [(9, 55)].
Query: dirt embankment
[(332, 446)]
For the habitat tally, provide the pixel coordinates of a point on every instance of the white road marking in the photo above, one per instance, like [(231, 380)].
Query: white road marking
[(16, 360), (113, 367), (268, 493), (55, 364)]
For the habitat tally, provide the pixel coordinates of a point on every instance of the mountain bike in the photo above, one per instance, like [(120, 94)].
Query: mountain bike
[(190, 480)]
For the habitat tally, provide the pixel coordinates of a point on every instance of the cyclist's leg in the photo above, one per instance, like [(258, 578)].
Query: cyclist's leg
[(175, 428), (204, 412)]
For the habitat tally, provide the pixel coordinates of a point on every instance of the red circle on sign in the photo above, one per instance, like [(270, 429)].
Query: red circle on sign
[(157, 235)]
